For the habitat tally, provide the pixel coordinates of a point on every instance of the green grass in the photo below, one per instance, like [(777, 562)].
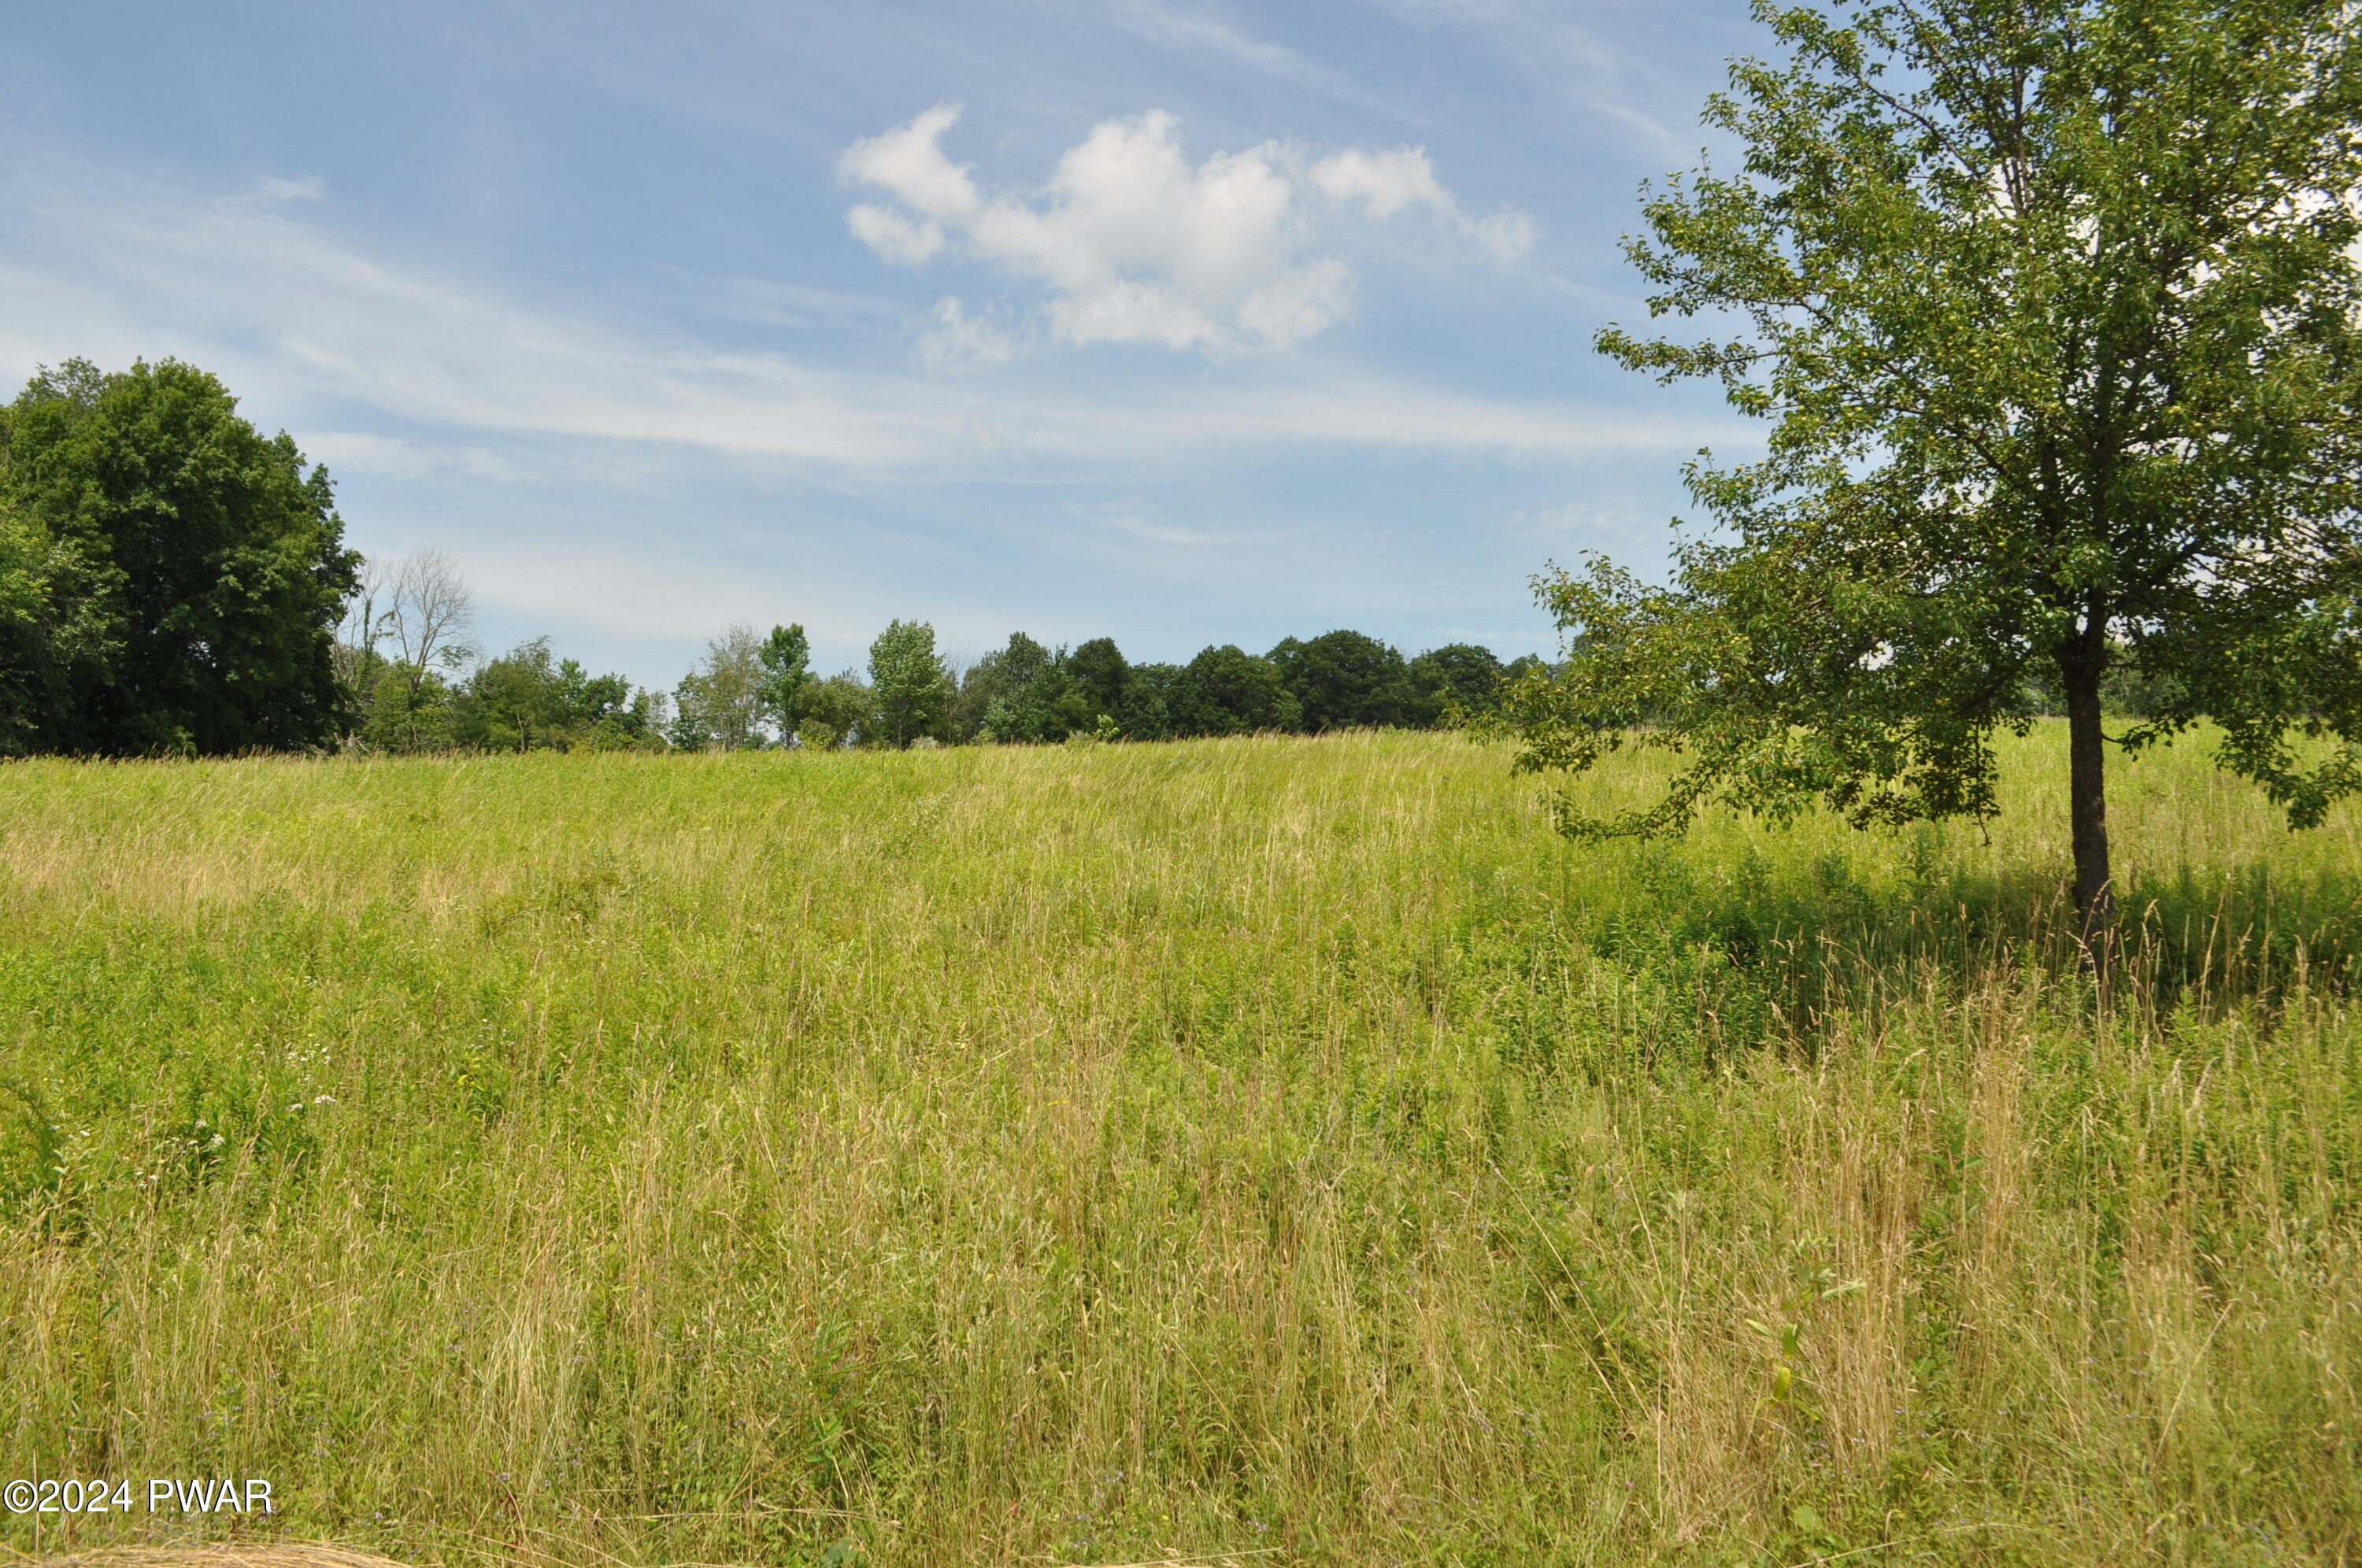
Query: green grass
[(1115, 1154)]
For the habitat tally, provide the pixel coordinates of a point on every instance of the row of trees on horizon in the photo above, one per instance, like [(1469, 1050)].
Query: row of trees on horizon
[(418, 685), (749, 690), (172, 581)]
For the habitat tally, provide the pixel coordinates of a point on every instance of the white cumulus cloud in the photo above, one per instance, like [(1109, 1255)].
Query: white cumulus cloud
[(892, 236), (909, 160), (1135, 244), (1388, 182)]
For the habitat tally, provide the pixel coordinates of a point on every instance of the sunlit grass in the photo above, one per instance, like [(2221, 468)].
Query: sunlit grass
[(1102, 1154)]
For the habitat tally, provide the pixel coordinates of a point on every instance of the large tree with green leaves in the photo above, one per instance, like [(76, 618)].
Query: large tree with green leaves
[(529, 699), (719, 706), (1453, 683), (171, 578), (1100, 674), (56, 638), (2054, 308), (786, 657), (1033, 697), (1227, 692), (1344, 681), (913, 688)]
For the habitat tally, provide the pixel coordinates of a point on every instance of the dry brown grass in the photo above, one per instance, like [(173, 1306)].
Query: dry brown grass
[(222, 1554)]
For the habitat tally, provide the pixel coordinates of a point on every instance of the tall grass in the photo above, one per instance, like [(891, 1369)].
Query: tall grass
[(1118, 1153)]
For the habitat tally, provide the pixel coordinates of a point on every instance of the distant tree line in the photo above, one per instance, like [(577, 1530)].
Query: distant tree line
[(172, 581), (753, 691), (415, 681)]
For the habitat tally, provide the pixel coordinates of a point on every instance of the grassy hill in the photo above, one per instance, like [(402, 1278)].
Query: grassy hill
[(1112, 1153)]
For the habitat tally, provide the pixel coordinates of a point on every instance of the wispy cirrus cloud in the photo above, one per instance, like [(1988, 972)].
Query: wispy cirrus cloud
[(1566, 55), (1205, 33), (274, 296), (367, 452)]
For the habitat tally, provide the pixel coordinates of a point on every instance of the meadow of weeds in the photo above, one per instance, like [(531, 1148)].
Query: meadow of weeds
[(1278, 1151)]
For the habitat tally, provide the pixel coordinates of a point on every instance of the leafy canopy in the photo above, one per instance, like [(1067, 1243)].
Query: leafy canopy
[(1453, 683), (2052, 306), (913, 689), (786, 658), (171, 578), (1344, 681), (719, 706)]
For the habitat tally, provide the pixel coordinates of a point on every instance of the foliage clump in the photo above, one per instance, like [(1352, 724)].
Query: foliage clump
[(2055, 310), (171, 578)]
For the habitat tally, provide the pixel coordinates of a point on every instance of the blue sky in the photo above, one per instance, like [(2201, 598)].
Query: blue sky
[(1177, 323)]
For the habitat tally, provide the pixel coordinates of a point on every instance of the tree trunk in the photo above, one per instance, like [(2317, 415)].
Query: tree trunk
[(2086, 799)]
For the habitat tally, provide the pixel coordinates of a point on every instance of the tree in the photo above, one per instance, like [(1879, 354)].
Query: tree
[(55, 640), (1227, 692), (1100, 673), (511, 702), (190, 570), (840, 710), (1457, 679), (419, 607), (719, 705), (359, 663), (911, 686), (1039, 696), (976, 685), (1026, 680), (786, 658), (1343, 680), (429, 608), (529, 699), (1151, 692), (408, 709), (2054, 307)]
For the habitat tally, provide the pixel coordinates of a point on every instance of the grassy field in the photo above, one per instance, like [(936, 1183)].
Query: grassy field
[(1281, 1151)]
